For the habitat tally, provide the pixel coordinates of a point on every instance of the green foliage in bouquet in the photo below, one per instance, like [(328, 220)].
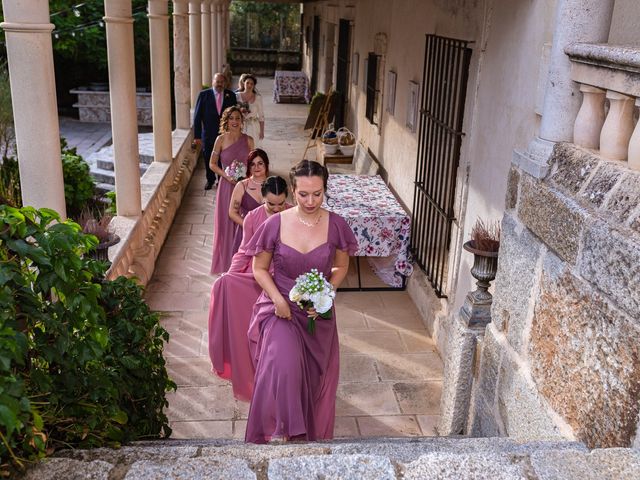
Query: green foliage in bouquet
[(80, 356)]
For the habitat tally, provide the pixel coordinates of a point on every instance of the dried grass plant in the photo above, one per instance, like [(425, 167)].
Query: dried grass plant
[(486, 236), (92, 226)]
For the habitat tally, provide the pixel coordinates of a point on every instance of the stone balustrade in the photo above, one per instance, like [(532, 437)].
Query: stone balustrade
[(607, 72)]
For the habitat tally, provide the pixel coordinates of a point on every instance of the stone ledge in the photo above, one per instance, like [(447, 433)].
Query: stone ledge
[(162, 187), (611, 67), (434, 458)]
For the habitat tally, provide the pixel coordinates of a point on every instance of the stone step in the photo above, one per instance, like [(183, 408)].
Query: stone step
[(102, 188), (102, 175), (380, 458)]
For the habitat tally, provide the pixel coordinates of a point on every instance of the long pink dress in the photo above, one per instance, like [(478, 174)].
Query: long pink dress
[(296, 372), (224, 229), (247, 203), (232, 298)]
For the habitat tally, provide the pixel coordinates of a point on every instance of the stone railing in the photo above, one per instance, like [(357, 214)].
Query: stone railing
[(94, 105), (607, 72), (162, 188)]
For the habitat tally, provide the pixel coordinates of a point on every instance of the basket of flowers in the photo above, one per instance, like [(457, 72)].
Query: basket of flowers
[(330, 142), (346, 141)]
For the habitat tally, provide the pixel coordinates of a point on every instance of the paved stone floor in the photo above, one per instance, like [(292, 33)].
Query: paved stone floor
[(86, 137), (391, 375)]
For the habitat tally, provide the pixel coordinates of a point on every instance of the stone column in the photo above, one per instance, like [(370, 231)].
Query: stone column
[(160, 79), (124, 118), (206, 42), (195, 49), (215, 62), (576, 21), (220, 33), (226, 40), (33, 96), (181, 64)]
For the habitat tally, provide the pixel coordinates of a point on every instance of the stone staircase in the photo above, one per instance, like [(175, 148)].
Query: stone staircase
[(101, 162), (433, 458)]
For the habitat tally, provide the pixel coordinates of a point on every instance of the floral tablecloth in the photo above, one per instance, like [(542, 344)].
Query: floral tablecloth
[(291, 84), (380, 224)]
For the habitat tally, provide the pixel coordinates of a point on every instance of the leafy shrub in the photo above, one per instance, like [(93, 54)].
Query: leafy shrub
[(80, 356), (79, 186), (7, 133), (10, 182)]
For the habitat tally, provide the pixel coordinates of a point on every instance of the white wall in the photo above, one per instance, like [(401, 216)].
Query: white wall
[(624, 24), (500, 108)]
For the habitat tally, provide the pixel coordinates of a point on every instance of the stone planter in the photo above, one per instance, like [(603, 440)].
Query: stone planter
[(477, 305), (101, 252)]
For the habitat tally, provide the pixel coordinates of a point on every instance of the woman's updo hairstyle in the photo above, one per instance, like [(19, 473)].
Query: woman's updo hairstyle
[(276, 185), (258, 152), (308, 168)]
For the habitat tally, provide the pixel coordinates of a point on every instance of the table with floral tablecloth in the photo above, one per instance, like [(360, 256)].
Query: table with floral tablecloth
[(289, 83), (380, 224)]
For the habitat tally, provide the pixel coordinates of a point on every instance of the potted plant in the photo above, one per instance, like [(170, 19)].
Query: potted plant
[(99, 227), (485, 245)]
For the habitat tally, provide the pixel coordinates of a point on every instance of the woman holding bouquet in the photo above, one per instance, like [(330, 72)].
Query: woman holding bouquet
[(233, 296), (250, 102), (296, 377), (232, 148), (247, 194)]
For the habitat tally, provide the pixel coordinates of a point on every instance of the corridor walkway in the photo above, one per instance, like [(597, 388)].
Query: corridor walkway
[(391, 375)]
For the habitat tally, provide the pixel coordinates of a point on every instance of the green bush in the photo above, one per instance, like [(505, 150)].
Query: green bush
[(10, 182), (79, 186), (80, 356)]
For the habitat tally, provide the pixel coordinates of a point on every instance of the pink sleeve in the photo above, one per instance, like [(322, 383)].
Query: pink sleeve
[(265, 237), (342, 236), (249, 226)]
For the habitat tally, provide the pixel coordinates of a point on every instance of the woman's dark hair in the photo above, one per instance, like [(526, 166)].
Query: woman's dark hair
[(308, 168), (224, 120), (258, 152), (276, 185), (250, 76)]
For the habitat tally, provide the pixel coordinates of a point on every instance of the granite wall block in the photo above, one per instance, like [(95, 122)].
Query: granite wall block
[(585, 358)]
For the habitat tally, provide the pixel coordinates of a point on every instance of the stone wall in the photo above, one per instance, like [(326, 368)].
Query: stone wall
[(562, 356)]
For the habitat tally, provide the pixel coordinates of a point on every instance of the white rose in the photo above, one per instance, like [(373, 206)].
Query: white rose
[(323, 303), (294, 295)]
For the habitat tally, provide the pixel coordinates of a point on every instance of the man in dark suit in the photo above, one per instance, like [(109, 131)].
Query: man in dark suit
[(206, 119)]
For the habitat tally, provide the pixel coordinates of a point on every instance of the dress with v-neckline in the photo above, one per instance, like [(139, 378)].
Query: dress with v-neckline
[(296, 372)]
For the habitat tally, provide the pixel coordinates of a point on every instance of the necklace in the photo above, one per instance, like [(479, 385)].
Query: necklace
[(254, 182), (306, 223)]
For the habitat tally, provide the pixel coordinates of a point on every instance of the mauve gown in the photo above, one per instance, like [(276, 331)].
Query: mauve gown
[(232, 298), (224, 229), (296, 373), (247, 204)]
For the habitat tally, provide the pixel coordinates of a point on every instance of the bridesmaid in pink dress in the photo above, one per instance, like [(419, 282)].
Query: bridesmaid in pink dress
[(246, 195), (296, 377), (233, 296), (230, 145)]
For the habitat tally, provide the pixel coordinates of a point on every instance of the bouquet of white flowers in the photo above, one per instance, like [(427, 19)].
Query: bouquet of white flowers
[(313, 290), (237, 170)]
